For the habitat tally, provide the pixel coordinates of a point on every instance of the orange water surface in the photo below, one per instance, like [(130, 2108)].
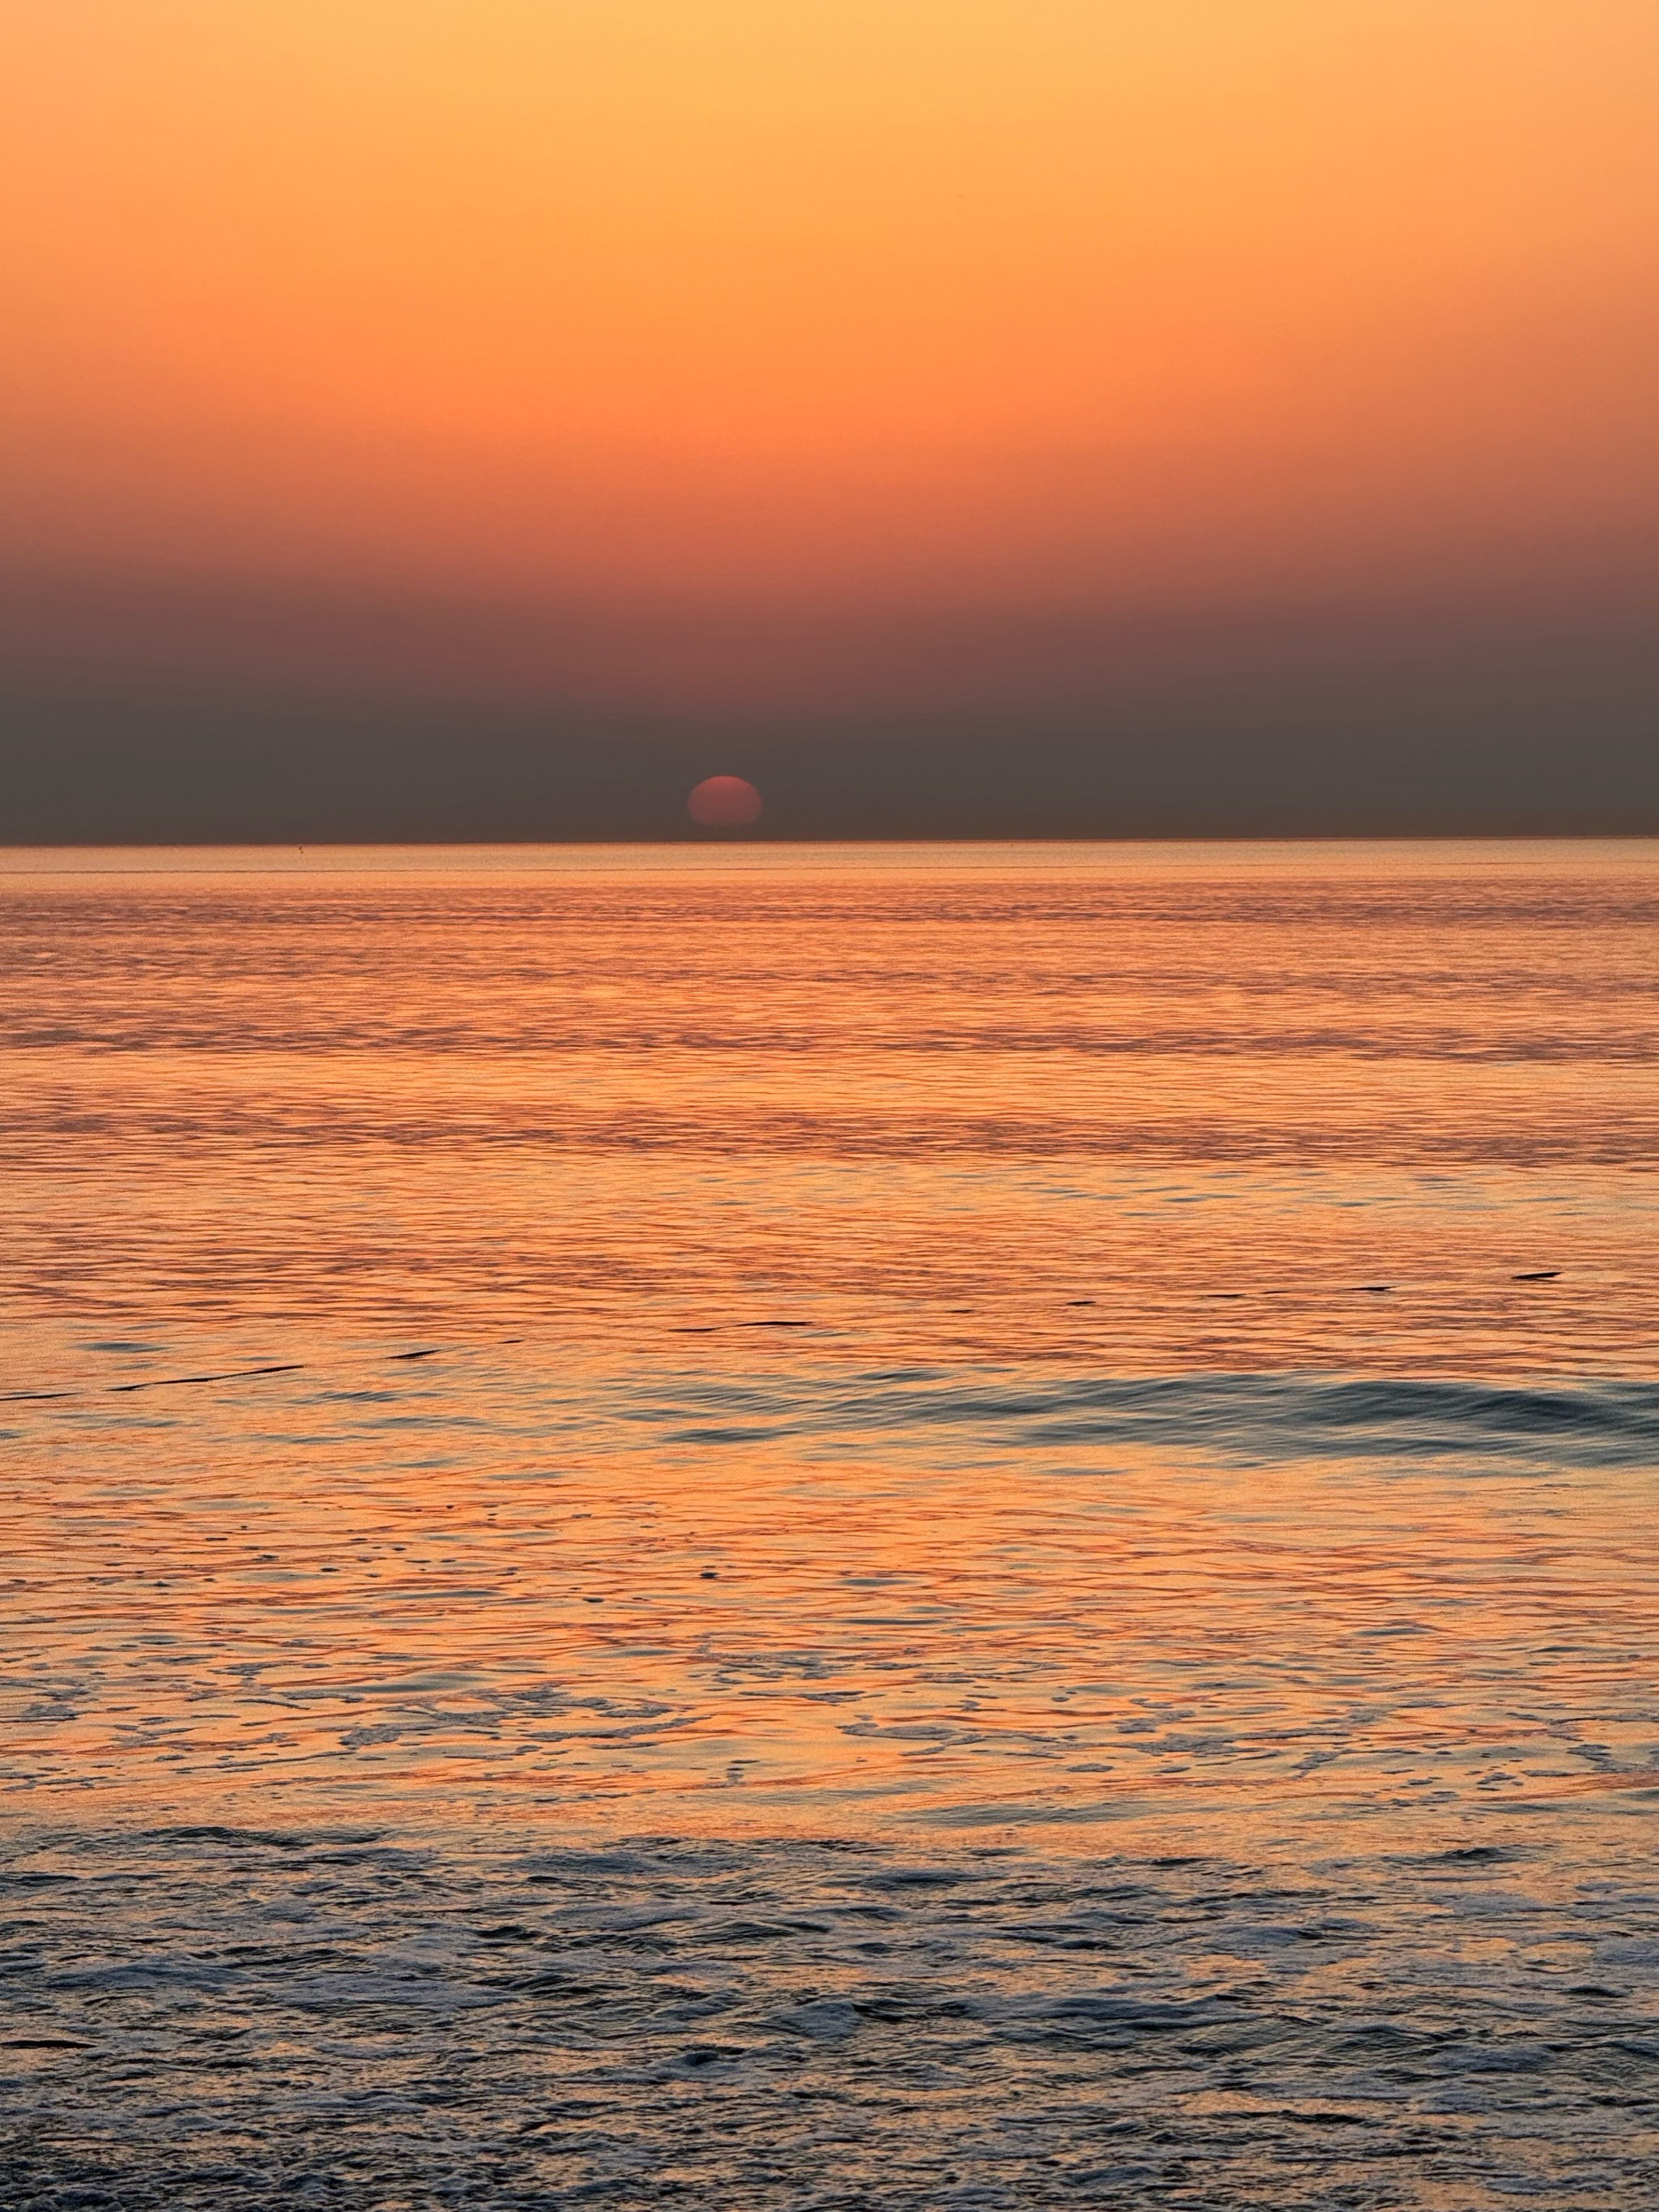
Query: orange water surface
[(826, 1337)]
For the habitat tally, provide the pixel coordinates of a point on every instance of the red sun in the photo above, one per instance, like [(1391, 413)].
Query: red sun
[(724, 802)]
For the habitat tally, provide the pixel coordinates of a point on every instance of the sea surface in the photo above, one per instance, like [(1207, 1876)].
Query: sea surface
[(899, 1527)]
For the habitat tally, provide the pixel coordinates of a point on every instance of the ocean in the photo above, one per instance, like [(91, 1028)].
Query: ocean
[(902, 1526)]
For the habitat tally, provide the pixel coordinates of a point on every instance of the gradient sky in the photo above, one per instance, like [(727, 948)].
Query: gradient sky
[(847, 366)]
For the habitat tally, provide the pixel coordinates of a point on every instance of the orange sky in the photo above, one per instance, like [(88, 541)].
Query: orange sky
[(901, 300)]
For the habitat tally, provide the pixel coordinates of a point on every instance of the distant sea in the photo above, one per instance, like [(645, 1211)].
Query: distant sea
[(773, 1527)]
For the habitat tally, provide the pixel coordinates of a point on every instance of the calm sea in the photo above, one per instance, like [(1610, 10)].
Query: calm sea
[(902, 1527)]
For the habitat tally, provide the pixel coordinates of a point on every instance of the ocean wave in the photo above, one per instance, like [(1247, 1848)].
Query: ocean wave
[(1236, 1417)]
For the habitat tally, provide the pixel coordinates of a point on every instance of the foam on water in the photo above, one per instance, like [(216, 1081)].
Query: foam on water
[(223, 2019)]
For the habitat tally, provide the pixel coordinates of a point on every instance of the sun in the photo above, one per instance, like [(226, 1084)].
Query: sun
[(724, 802)]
